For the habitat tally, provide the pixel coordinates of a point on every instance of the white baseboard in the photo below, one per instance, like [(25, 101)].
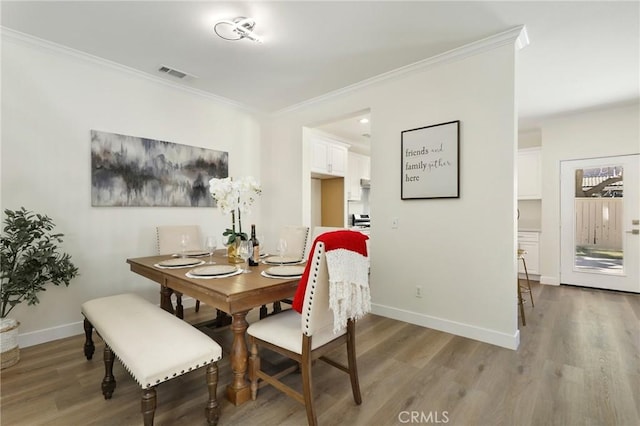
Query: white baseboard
[(67, 330), (465, 330), (459, 329), (549, 280), (48, 334), (532, 277)]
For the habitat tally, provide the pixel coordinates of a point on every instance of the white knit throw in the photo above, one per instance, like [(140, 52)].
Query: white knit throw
[(349, 295)]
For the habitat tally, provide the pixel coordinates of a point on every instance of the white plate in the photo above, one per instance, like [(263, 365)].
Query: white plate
[(193, 253), (285, 271), (179, 262), (264, 274), (281, 260), (212, 277), (213, 270)]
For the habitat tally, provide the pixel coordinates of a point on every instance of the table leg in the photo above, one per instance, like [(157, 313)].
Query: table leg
[(239, 390), (165, 299)]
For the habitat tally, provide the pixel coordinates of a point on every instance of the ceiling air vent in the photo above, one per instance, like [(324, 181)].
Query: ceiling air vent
[(173, 72)]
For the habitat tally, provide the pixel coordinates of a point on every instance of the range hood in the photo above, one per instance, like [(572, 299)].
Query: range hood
[(365, 183)]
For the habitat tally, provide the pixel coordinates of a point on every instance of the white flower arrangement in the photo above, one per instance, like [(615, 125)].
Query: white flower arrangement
[(235, 196)]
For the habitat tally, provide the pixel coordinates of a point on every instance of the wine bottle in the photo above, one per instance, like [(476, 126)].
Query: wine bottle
[(254, 260)]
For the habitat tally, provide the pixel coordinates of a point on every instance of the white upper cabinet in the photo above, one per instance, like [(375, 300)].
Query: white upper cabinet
[(530, 174), (359, 168), (328, 158)]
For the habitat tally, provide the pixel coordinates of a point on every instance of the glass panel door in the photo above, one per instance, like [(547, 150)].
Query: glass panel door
[(600, 226), (598, 202)]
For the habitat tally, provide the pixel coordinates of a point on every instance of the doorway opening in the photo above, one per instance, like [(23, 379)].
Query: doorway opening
[(337, 194)]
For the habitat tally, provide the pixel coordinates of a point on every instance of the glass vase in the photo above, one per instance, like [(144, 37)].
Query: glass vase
[(232, 252)]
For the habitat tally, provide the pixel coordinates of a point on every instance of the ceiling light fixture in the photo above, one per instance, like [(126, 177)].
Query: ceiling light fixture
[(364, 120), (237, 29)]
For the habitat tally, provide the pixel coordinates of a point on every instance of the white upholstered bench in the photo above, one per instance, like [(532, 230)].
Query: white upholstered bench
[(153, 345)]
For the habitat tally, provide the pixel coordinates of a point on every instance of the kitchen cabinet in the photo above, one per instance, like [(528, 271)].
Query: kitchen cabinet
[(359, 168), (530, 174), (530, 242), (328, 157)]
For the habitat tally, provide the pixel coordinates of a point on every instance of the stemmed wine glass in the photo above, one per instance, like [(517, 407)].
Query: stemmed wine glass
[(184, 242), (211, 244), (245, 251), (225, 243), (282, 249)]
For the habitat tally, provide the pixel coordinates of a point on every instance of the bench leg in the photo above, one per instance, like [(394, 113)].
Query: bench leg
[(109, 382), (148, 405), (89, 347), (212, 411)]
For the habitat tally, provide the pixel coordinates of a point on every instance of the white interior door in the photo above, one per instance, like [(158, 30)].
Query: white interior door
[(600, 223)]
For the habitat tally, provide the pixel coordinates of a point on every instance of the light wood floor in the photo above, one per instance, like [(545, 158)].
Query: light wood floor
[(578, 364)]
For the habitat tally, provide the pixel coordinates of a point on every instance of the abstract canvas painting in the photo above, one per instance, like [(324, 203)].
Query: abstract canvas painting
[(134, 171)]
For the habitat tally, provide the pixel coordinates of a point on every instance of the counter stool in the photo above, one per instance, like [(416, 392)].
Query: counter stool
[(522, 288)]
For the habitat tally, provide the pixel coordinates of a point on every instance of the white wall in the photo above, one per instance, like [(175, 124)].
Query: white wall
[(50, 102), (529, 138), (316, 203), (461, 251), (601, 133)]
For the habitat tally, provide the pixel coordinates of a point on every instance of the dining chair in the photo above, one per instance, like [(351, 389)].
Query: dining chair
[(169, 239), (319, 230), (304, 338), (296, 238)]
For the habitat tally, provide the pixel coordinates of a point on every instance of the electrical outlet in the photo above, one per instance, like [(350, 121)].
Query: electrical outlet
[(394, 223), (418, 291)]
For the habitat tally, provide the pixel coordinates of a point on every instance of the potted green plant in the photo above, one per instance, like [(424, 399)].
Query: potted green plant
[(29, 259)]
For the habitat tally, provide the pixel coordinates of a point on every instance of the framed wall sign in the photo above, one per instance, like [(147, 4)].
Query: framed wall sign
[(430, 162)]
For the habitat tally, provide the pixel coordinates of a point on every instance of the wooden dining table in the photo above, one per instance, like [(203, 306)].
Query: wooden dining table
[(236, 295)]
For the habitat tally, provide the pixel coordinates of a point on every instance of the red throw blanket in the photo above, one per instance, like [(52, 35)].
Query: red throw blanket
[(343, 239)]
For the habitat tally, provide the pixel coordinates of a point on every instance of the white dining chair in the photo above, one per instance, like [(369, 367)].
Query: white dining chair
[(304, 338), (319, 230), (169, 238), (296, 238)]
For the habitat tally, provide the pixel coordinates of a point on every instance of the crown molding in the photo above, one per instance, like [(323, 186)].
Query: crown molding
[(17, 36), (517, 36), (522, 40)]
